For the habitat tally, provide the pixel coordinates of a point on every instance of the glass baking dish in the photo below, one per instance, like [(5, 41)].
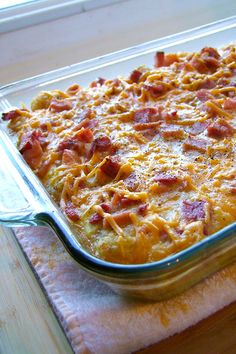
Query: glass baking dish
[(33, 206)]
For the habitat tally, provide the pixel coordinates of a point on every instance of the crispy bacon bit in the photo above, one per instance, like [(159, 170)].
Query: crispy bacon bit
[(31, 149), (193, 211), (142, 209), (102, 143), (195, 144), (172, 131), (166, 178), (69, 157), (60, 105), (198, 128), (204, 95), (155, 91), (159, 59), (211, 52), (146, 115), (125, 202), (199, 64), (69, 144), (95, 219), (135, 76), (85, 135), (220, 129), (71, 212), (111, 166), (10, 115), (230, 103), (106, 207)]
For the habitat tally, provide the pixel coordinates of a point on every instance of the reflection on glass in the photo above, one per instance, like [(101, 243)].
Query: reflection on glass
[(9, 3)]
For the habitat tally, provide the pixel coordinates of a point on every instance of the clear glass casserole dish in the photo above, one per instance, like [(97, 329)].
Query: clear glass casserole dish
[(33, 206)]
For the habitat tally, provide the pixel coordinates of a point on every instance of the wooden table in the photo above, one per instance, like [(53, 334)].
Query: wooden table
[(29, 326)]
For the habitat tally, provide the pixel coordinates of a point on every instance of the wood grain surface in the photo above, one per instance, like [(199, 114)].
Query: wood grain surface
[(28, 325)]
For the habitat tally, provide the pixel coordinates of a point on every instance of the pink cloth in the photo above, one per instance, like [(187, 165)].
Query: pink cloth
[(98, 321)]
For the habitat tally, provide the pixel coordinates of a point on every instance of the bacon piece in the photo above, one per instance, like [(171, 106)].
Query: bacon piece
[(211, 52), (111, 166), (126, 202), (95, 219), (195, 144), (199, 65), (69, 157), (198, 128), (220, 129), (60, 105), (159, 59), (172, 131), (100, 81), (169, 116), (147, 115), (166, 178), (204, 95), (71, 212), (206, 84), (142, 209), (84, 135), (102, 143), (69, 144), (193, 211), (87, 123), (162, 59), (230, 103), (156, 90), (106, 207), (135, 76), (10, 115), (122, 219), (31, 149)]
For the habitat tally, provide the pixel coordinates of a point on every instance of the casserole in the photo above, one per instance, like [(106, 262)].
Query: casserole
[(155, 280)]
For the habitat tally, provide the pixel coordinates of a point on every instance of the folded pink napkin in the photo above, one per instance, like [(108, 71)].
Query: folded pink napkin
[(96, 320)]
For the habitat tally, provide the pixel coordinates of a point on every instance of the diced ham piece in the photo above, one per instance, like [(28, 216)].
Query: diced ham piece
[(111, 166), (206, 84), (100, 81), (126, 202), (204, 95), (220, 129), (147, 115), (169, 116), (71, 212), (60, 105), (198, 128), (135, 76), (166, 178), (84, 135), (69, 144), (95, 219), (31, 149), (199, 64), (230, 103), (195, 144), (145, 126), (193, 210), (87, 123), (10, 115)]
